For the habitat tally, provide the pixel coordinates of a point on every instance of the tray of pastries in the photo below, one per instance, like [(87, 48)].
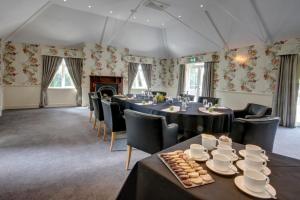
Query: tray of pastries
[(188, 172)]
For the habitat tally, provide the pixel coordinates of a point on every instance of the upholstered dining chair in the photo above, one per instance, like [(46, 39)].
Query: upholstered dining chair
[(113, 120), (149, 133), (191, 97), (212, 100), (253, 111), (98, 113), (260, 131)]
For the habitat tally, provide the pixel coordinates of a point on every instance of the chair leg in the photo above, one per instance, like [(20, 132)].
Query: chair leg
[(104, 130), (112, 140), (129, 149), (99, 130), (95, 123), (91, 116)]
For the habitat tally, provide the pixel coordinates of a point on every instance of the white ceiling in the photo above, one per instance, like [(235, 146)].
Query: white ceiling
[(71, 23)]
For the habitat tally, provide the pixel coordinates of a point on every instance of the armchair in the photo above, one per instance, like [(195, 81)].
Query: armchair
[(213, 100), (253, 111)]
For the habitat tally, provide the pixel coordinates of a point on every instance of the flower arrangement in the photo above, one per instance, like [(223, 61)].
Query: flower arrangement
[(159, 98)]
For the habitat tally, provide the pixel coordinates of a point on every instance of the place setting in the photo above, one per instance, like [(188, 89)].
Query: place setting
[(197, 152)]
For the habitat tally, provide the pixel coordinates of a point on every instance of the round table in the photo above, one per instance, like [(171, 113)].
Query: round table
[(191, 122)]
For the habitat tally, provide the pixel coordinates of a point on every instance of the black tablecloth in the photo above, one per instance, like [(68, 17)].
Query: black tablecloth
[(191, 122), (151, 179)]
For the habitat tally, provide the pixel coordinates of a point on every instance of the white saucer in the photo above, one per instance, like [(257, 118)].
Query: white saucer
[(241, 165), (234, 157), (243, 154), (239, 182), (210, 165), (205, 156)]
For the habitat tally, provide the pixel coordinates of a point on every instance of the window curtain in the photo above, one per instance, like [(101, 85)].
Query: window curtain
[(285, 98), (50, 66), (208, 80), (75, 70), (132, 71), (181, 80), (147, 68)]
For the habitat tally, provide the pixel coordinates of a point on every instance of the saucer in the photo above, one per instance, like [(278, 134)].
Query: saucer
[(234, 157), (243, 154), (239, 182), (203, 158), (241, 165), (210, 165)]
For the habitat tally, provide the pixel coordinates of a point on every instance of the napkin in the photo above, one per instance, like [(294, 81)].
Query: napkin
[(175, 109)]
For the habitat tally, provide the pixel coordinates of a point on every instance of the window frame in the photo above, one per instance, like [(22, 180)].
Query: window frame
[(140, 74), (64, 69)]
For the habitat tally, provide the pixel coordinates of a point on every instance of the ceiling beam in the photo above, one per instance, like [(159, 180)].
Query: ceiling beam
[(216, 29), (27, 21), (193, 29), (262, 21), (104, 29)]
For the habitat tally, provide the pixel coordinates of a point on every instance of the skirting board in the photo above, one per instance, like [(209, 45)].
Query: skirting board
[(37, 106)]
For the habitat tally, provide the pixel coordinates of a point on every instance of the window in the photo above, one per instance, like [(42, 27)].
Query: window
[(139, 81), (62, 78), (194, 78)]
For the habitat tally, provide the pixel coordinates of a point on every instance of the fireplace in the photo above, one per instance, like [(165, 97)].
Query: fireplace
[(107, 84)]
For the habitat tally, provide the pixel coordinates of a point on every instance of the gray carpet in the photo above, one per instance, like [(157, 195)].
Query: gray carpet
[(54, 154)]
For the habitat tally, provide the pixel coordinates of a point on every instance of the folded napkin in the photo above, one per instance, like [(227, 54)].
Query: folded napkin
[(201, 109), (143, 104), (175, 109)]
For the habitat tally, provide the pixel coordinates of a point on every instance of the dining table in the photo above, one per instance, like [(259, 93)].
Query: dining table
[(150, 179), (191, 122)]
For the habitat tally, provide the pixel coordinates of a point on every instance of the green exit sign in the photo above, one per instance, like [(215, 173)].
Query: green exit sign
[(193, 59)]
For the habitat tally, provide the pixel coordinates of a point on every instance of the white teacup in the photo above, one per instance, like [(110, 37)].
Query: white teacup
[(222, 162), (209, 141), (255, 180), (254, 163), (197, 150), (226, 150), (252, 149)]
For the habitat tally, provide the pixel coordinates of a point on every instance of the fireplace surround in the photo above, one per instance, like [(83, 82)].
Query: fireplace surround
[(106, 83)]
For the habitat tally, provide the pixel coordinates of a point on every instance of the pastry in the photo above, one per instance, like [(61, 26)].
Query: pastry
[(197, 180), (198, 168), (187, 182), (181, 173), (183, 164), (206, 178), (183, 177), (193, 175), (189, 170), (185, 167), (202, 172), (178, 170)]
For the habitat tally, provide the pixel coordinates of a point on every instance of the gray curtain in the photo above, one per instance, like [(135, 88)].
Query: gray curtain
[(75, 70), (132, 71), (50, 66), (285, 98), (208, 80), (181, 80), (147, 69)]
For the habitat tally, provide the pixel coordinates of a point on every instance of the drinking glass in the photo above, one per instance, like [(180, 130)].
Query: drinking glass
[(204, 102)]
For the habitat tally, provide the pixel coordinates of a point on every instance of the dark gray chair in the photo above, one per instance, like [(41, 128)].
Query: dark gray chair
[(212, 100), (91, 106), (253, 111), (98, 112), (149, 133), (191, 97), (113, 120), (160, 92), (260, 132)]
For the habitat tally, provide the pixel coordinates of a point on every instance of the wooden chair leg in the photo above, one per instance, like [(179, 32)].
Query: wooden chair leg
[(91, 116), (99, 130), (104, 132), (95, 123), (112, 140), (129, 150)]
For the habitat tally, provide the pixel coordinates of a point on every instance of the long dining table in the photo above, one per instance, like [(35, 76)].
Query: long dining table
[(151, 179), (191, 122)]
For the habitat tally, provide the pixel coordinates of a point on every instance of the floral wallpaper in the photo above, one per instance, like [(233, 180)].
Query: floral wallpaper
[(1, 64)]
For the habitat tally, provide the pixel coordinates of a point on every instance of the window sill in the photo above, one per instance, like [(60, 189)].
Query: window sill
[(61, 89)]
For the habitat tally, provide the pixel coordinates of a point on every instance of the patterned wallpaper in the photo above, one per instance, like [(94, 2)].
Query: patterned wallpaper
[(1, 62)]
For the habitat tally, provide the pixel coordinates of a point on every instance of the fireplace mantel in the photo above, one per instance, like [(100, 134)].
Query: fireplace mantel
[(106, 80)]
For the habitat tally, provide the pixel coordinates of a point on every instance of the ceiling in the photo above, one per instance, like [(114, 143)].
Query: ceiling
[(152, 32)]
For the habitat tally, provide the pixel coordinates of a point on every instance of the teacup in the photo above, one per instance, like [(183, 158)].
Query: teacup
[(226, 150), (255, 180), (209, 141), (254, 162), (197, 150), (223, 143), (252, 149), (222, 162)]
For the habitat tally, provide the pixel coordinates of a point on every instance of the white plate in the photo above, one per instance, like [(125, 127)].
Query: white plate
[(241, 165), (234, 157), (210, 165), (243, 154), (205, 156), (239, 182)]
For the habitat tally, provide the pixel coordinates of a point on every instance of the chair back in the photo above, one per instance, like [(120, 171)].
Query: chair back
[(212, 100), (144, 131), (160, 92), (98, 111), (113, 116), (256, 109), (90, 94), (191, 97)]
